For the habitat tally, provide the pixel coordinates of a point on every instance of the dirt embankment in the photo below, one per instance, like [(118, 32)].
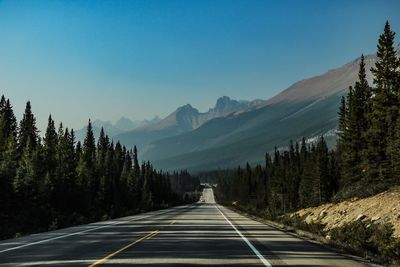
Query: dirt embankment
[(382, 208)]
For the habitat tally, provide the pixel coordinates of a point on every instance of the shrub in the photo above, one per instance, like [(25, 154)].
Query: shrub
[(53, 225), (360, 190), (370, 238), (297, 222)]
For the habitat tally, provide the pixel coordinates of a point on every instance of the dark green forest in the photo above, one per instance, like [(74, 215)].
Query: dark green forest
[(53, 182), (366, 159)]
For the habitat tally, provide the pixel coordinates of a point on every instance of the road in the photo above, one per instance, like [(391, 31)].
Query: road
[(193, 235)]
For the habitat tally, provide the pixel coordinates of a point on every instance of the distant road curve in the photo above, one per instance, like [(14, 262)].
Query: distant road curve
[(202, 234)]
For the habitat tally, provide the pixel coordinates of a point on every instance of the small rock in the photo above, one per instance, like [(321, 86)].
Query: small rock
[(360, 217), (323, 213), (375, 218), (342, 212), (328, 237)]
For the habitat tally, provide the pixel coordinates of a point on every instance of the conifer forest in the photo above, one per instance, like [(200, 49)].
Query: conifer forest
[(366, 159), (51, 182)]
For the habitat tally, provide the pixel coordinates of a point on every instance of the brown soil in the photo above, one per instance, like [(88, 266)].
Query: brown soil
[(382, 208)]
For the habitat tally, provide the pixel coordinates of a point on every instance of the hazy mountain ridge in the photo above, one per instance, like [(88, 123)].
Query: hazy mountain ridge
[(111, 129), (307, 108), (184, 119), (233, 132)]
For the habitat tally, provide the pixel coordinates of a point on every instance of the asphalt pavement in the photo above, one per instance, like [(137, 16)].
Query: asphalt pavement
[(201, 234)]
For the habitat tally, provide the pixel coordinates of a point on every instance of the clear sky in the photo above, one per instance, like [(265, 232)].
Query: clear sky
[(106, 59)]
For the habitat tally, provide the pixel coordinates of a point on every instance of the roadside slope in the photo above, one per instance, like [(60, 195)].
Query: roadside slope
[(382, 208)]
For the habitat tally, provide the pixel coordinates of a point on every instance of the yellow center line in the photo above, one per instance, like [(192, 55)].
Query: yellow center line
[(153, 234), (148, 236)]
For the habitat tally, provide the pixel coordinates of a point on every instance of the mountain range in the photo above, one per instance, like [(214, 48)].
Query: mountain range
[(307, 108), (233, 132), (183, 120), (122, 125)]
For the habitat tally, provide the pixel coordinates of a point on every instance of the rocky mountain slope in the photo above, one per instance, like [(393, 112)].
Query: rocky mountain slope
[(307, 108), (182, 120)]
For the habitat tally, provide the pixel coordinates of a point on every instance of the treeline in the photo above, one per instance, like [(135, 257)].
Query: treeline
[(54, 181), (366, 160), (302, 176)]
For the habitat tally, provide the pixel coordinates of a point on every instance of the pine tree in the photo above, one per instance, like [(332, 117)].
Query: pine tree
[(50, 146), (342, 121), (118, 163), (3, 135), (66, 186), (103, 161), (384, 110), (146, 202), (78, 151), (303, 151), (89, 147), (353, 126), (386, 68), (136, 166), (106, 180), (125, 185), (102, 148), (88, 180), (2, 103), (25, 177), (10, 122), (322, 182), (27, 130), (306, 183)]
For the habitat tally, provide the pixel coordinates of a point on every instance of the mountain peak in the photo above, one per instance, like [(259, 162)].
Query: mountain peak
[(125, 124), (100, 123), (187, 108), (225, 105)]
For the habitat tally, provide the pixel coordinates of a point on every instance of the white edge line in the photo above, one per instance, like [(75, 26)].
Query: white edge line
[(80, 232), (258, 254)]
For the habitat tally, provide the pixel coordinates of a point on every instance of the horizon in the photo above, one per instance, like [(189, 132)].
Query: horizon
[(145, 59)]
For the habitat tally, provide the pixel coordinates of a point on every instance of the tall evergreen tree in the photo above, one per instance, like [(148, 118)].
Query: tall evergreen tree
[(50, 147), (353, 125), (27, 130), (88, 180), (10, 122), (384, 109), (322, 182), (2, 102), (89, 147)]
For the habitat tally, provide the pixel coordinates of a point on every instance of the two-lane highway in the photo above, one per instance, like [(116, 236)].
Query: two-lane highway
[(192, 235)]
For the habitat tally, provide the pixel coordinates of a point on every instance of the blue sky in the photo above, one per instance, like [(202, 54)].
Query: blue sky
[(107, 59)]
